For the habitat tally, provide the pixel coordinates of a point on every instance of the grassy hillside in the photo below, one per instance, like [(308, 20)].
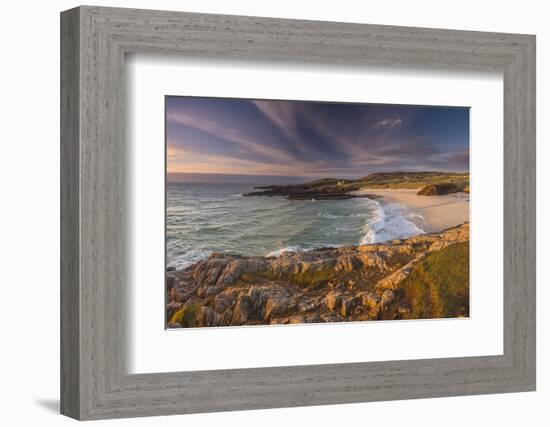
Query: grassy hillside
[(438, 286), (413, 179)]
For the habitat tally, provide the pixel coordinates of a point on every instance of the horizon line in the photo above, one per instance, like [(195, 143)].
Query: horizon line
[(201, 177)]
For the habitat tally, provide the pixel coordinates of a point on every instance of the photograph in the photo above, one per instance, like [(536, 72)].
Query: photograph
[(296, 212)]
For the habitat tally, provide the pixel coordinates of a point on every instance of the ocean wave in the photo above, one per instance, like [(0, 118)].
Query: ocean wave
[(212, 227), (328, 215), (299, 248), (291, 248), (389, 222), (416, 216), (179, 262)]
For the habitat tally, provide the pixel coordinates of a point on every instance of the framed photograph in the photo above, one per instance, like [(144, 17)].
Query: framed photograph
[(270, 218), (262, 213)]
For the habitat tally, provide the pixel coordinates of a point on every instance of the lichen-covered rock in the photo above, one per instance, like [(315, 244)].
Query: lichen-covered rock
[(236, 267), (296, 319), (348, 304), (170, 279), (392, 281), (171, 308), (386, 298), (369, 299), (280, 321), (207, 272), (333, 300), (241, 311), (212, 290), (306, 306), (275, 305), (188, 316), (362, 282), (223, 301), (210, 317)]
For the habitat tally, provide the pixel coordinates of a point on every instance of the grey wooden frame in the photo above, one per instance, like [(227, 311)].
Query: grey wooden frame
[(94, 382)]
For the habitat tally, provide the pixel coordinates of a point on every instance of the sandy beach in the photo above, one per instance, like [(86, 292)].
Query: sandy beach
[(438, 212)]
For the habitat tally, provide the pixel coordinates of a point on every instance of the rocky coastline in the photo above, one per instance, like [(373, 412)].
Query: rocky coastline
[(425, 276)]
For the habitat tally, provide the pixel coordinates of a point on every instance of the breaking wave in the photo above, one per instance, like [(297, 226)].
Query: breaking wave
[(389, 221), (179, 262)]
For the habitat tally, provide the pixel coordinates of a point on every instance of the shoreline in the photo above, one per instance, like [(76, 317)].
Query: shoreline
[(430, 213), (437, 212), (349, 283)]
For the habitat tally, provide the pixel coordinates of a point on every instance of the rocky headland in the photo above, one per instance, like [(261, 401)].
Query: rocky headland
[(428, 183), (425, 276), (323, 189)]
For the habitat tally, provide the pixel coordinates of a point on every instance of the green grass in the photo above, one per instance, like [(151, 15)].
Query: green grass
[(390, 180), (186, 316), (416, 183), (439, 285)]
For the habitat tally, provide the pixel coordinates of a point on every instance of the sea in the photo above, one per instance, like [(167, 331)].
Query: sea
[(205, 218)]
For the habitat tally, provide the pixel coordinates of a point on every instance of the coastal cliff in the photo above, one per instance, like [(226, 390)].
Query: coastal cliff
[(425, 276)]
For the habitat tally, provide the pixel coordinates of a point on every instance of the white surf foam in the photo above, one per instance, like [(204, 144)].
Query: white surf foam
[(388, 222), (292, 248), (190, 257)]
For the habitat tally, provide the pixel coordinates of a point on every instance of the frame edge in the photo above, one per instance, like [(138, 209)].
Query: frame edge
[(70, 395)]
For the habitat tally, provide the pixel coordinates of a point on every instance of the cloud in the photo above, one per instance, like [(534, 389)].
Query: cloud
[(413, 146), (175, 153), (387, 123), (285, 117), (456, 159), (459, 157), (282, 115), (230, 134), (210, 163), (311, 138), (227, 164)]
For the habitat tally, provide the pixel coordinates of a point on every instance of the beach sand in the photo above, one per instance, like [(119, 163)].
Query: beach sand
[(439, 212)]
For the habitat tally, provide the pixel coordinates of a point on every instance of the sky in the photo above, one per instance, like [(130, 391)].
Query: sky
[(214, 137)]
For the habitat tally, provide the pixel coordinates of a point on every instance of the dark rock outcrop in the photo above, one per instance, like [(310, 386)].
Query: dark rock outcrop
[(439, 189)]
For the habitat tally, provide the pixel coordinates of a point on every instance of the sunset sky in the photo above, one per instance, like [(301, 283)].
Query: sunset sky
[(310, 139)]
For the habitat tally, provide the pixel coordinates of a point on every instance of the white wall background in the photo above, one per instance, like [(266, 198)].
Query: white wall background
[(29, 213)]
